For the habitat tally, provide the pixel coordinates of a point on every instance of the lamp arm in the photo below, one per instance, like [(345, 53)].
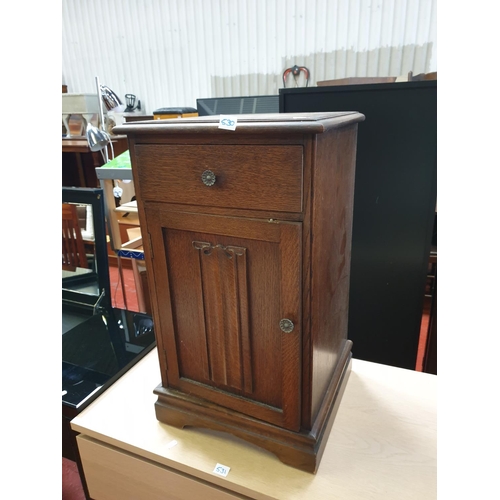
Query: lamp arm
[(101, 113)]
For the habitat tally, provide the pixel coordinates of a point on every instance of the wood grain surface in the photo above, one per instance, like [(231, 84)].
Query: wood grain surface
[(225, 272), (251, 177), (219, 327), (382, 445), (255, 124)]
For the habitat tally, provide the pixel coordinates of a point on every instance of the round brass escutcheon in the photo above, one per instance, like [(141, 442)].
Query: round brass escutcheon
[(208, 178), (286, 325)]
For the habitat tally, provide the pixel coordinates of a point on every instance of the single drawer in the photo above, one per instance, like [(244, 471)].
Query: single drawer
[(116, 475), (248, 177)]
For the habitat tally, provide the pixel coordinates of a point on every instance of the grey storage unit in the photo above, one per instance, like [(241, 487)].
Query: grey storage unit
[(238, 105)]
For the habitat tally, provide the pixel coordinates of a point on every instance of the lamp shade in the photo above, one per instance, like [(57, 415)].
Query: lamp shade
[(97, 139)]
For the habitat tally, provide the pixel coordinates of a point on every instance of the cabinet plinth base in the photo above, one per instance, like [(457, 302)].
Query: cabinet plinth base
[(302, 450)]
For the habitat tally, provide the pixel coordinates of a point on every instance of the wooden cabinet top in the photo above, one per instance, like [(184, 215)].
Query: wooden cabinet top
[(279, 123)]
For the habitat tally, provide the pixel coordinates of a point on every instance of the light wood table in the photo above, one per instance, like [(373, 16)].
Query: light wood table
[(382, 445)]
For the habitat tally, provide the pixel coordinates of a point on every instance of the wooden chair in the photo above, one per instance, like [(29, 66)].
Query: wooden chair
[(73, 249)]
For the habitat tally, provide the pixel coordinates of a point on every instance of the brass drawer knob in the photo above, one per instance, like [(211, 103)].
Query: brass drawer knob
[(286, 325), (208, 178)]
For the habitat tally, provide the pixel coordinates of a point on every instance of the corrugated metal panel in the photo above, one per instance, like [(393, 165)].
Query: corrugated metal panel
[(171, 52)]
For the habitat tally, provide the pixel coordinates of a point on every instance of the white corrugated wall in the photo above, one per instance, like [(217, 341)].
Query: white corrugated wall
[(171, 52)]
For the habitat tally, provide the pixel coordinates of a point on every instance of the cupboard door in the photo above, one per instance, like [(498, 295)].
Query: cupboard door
[(223, 287)]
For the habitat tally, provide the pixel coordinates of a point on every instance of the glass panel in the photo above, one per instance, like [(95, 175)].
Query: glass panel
[(97, 351), (79, 268)]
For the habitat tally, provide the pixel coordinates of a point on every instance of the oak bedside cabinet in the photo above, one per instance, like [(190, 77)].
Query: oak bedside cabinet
[(247, 247)]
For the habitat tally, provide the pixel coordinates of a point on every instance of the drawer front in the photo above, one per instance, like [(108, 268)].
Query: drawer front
[(115, 475), (247, 177)]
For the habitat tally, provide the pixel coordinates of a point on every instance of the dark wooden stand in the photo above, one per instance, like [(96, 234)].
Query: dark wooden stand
[(248, 261)]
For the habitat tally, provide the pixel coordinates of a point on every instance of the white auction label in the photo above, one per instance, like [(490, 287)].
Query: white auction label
[(227, 122), (222, 470)]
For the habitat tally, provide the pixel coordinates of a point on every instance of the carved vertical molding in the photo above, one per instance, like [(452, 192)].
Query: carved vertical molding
[(223, 272)]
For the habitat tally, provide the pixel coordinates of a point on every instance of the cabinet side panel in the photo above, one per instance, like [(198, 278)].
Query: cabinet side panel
[(332, 209), (309, 157)]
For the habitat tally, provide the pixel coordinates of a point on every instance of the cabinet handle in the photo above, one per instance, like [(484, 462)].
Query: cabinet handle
[(208, 178), (286, 325)]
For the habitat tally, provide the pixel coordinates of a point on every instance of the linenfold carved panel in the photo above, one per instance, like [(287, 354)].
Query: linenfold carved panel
[(223, 271)]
